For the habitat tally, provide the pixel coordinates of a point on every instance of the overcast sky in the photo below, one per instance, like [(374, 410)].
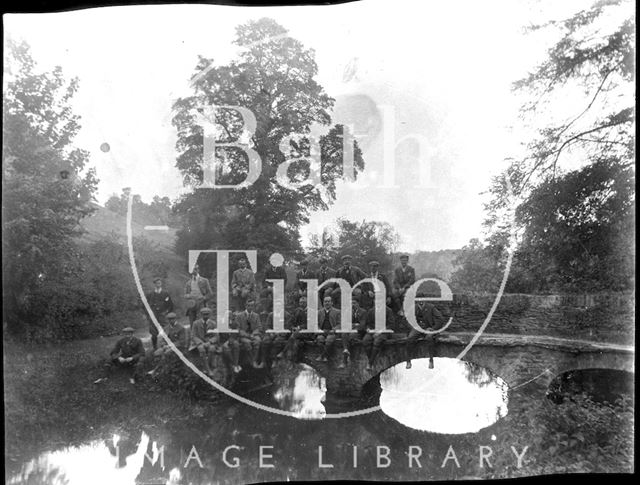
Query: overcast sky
[(441, 70)]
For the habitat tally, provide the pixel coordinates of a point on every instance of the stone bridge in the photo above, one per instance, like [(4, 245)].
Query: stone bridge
[(515, 358)]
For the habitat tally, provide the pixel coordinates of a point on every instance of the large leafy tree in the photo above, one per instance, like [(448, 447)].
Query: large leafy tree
[(273, 77), (44, 193), (574, 227)]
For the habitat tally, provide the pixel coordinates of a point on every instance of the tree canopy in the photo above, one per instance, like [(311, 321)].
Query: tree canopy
[(274, 78), (45, 191), (575, 227)]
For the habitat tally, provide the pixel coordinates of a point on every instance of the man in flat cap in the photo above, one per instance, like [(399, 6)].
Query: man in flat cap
[(198, 341), (175, 333), (243, 285), (128, 353), (197, 292), (403, 277), (368, 290), (161, 304), (352, 274)]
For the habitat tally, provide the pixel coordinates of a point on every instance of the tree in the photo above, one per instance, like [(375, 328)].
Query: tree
[(45, 193), (158, 212), (364, 241), (575, 226), (274, 79)]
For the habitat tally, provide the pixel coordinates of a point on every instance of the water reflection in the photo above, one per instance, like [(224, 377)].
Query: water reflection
[(301, 390), (453, 398), (116, 460)]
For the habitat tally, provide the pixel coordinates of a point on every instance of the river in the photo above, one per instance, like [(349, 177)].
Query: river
[(455, 420)]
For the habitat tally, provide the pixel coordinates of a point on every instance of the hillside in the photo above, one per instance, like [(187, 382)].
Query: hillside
[(104, 224)]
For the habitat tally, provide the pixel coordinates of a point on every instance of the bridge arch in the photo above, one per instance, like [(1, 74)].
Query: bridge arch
[(517, 359)]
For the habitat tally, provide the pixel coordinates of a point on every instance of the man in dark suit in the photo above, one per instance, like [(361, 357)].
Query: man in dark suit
[(328, 322), (429, 318), (352, 274), (161, 304), (129, 353), (251, 332), (368, 291), (403, 277)]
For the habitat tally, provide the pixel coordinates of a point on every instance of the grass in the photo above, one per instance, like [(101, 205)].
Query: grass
[(51, 399)]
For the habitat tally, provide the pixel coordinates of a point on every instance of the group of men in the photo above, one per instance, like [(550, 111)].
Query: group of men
[(254, 347)]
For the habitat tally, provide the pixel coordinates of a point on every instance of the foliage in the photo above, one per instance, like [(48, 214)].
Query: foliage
[(158, 212), (273, 78), (98, 287), (45, 193), (575, 227), (364, 241), (579, 435)]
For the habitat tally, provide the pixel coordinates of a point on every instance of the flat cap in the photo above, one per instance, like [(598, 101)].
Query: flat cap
[(128, 329), (304, 262), (171, 315), (157, 278), (205, 310), (374, 262), (404, 256), (346, 257)]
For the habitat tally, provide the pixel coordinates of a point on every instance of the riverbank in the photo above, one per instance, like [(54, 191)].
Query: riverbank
[(51, 399)]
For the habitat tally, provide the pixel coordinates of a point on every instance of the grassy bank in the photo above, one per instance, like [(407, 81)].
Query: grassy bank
[(51, 399)]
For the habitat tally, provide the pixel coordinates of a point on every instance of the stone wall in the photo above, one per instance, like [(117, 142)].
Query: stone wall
[(605, 316)]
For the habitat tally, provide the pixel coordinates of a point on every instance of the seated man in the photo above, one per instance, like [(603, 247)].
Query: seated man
[(243, 285), (128, 353), (429, 318), (351, 274), (295, 343), (199, 337), (373, 340), (328, 322), (358, 315), (231, 346), (274, 343), (176, 333), (251, 333), (403, 277)]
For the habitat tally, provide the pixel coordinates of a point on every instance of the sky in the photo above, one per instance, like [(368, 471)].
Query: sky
[(436, 72)]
